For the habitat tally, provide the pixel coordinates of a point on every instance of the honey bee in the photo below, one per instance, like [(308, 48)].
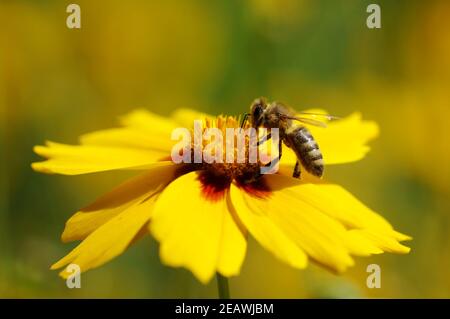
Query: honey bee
[(296, 137)]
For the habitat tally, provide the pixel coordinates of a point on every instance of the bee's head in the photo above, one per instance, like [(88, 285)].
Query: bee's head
[(257, 111)]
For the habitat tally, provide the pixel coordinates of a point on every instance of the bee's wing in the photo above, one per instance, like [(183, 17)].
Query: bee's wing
[(316, 122), (319, 115), (309, 121)]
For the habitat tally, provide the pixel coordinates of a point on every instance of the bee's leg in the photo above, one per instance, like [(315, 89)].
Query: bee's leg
[(244, 120), (296, 173), (263, 139), (280, 150)]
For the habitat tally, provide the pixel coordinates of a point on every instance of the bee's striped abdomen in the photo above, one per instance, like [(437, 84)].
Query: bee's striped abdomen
[(307, 150)]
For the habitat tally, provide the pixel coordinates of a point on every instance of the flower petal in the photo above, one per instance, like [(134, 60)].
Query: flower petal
[(333, 200), (151, 123), (186, 117), (110, 239), (256, 219), (135, 190), (233, 245), (73, 160), (197, 232), (143, 129), (385, 241), (338, 203), (342, 141), (321, 237), (128, 138)]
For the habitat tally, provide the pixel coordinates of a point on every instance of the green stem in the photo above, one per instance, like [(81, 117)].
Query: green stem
[(222, 287)]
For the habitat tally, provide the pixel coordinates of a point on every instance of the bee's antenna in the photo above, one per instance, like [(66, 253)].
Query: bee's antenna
[(244, 119)]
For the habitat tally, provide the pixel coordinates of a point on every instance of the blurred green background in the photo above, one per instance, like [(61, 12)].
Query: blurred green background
[(217, 56)]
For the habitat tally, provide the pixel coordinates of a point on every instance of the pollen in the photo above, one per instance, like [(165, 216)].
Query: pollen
[(226, 157), (229, 148)]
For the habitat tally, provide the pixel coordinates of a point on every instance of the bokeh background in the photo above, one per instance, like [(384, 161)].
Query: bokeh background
[(216, 56)]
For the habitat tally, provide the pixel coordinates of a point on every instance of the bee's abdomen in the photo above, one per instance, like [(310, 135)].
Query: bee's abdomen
[(307, 150)]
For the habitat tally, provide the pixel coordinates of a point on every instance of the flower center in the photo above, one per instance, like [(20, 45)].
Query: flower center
[(227, 152), (224, 157)]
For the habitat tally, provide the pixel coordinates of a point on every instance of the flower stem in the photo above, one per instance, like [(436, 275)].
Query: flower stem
[(222, 287)]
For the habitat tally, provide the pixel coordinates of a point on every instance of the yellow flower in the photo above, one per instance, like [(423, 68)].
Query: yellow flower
[(203, 214)]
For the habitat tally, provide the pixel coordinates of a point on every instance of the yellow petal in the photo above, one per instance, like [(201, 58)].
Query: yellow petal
[(256, 219), (88, 219), (143, 129), (129, 138), (197, 232), (384, 241), (342, 141), (233, 245), (146, 121), (321, 237), (73, 160), (186, 117), (371, 230), (400, 236), (334, 201), (110, 239)]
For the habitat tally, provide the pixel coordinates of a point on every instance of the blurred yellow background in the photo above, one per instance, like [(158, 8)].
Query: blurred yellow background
[(217, 56)]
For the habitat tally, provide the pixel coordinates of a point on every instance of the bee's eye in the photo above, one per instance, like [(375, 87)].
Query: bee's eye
[(258, 111)]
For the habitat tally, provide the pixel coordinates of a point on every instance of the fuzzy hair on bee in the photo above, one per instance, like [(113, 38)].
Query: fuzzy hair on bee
[(296, 137)]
